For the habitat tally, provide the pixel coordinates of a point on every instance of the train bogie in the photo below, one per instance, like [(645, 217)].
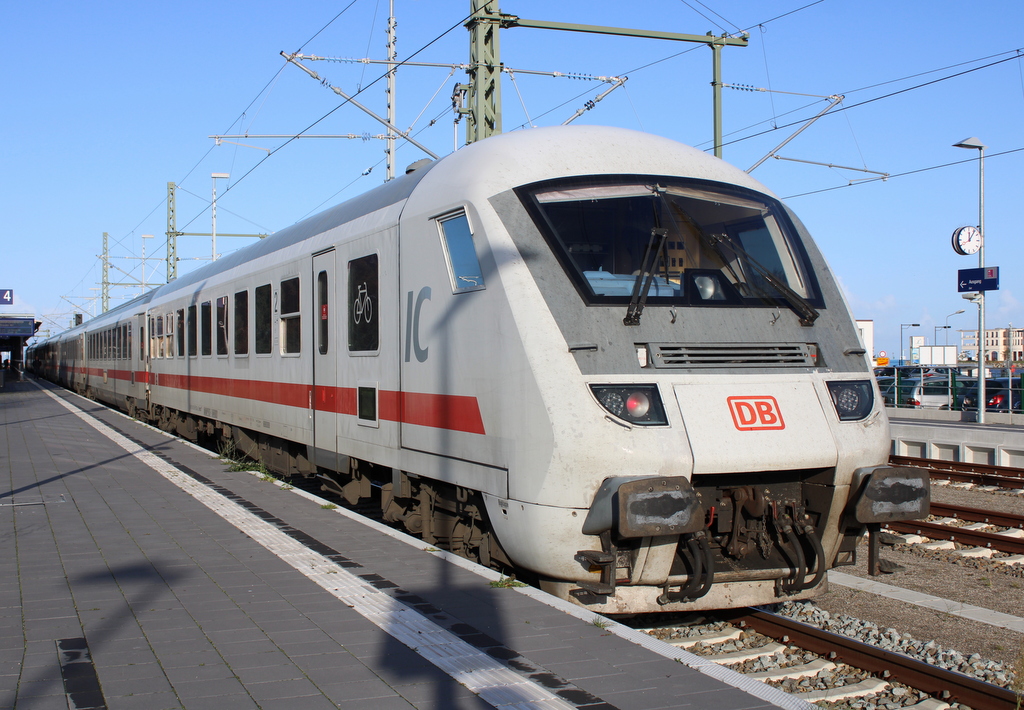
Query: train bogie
[(604, 359)]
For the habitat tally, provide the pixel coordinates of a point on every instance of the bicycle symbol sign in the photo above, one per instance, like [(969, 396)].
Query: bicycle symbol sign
[(362, 308)]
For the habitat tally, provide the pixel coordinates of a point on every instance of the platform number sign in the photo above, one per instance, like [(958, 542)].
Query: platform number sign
[(6, 296)]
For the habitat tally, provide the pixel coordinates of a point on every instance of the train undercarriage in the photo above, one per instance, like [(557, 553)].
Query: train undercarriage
[(449, 516)]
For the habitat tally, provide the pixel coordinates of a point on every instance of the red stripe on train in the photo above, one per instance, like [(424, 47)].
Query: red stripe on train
[(439, 411)]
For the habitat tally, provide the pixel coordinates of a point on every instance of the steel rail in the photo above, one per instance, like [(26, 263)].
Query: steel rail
[(949, 685), (982, 474), (978, 538), (978, 515)]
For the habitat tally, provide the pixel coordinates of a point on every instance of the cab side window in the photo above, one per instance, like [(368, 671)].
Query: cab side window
[(460, 252)]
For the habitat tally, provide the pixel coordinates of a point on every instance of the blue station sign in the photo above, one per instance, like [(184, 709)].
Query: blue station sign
[(6, 296), (986, 279), (17, 327)]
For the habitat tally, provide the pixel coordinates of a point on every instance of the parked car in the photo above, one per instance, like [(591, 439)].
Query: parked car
[(1002, 394), (931, 393)]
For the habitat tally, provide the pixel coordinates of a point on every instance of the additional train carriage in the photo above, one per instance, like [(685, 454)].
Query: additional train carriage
[(600, 357)]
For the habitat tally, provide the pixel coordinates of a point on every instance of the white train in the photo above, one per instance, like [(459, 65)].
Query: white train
[(602, 358)]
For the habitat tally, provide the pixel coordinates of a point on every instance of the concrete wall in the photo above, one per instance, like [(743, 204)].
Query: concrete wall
[(955, 436)]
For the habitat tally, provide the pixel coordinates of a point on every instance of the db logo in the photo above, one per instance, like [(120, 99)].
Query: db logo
[(755, 413)]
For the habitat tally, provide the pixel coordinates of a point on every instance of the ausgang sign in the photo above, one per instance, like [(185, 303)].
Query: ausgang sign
[(986, 279)]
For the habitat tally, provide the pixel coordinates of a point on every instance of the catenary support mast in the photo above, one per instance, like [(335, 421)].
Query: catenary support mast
[(485, 63)]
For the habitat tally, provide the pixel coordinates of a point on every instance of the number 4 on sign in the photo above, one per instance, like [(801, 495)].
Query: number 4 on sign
[(6, 296)]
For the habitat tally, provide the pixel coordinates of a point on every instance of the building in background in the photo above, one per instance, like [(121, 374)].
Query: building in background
[(866, 331), (1001, 344)]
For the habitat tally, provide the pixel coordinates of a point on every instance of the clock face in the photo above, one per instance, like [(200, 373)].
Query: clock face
[(966, 240)]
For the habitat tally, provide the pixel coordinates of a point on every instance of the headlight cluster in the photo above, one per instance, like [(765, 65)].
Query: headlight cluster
[(636, 404), (853, 399)]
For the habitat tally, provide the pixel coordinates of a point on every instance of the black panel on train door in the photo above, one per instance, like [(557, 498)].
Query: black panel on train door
[(325, 361)]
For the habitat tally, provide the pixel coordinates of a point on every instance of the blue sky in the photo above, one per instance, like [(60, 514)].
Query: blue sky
[(107, 102)]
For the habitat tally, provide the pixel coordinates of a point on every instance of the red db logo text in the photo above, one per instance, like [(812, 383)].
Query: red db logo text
[(755, 413)]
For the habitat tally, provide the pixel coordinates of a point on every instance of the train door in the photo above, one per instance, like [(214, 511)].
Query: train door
[(325, 360), (368, 359)]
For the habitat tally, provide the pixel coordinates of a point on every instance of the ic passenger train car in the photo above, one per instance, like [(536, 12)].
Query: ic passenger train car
[(599, 357)]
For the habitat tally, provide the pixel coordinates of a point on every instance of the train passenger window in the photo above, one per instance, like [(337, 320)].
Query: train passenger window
[(156, 334), (363, 331), (242, 323), (205, 322), (264, 317), (126, 342), (457, 240), (291, 321), (222, 325), (169, 333), (129, 332), (321, 302), (181, 332), (193, 333)]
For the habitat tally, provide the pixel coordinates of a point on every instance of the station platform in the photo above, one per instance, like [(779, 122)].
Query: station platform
[(138, 571)]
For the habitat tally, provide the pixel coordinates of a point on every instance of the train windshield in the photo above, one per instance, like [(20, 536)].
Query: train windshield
[(671, 241)]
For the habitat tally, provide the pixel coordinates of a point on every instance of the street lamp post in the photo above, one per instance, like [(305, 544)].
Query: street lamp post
[(975, 144), (904, 326), (947, 323)]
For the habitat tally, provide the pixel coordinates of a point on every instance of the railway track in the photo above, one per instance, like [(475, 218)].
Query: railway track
[(969, 526), (874, 670), (960, 472)]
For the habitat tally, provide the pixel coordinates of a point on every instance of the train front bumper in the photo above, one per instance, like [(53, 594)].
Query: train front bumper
[(883, 494)]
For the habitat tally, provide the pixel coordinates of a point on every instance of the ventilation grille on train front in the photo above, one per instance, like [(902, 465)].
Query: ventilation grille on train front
[(674, 355)]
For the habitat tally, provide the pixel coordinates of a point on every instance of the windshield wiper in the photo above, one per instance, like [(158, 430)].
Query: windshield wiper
[(798, 303), (645, 278), (804, 310)]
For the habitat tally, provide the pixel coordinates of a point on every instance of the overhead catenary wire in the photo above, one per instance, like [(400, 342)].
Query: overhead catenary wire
[(119, 241), (886, 96), (245, 114), (333, 110), (903, 174)]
